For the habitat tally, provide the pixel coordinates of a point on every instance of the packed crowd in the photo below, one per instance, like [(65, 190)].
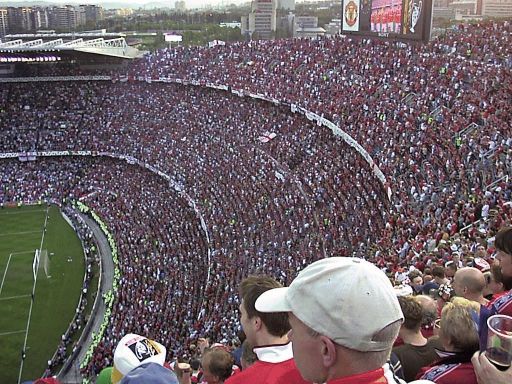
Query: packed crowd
[(246, 215), (435, 119)]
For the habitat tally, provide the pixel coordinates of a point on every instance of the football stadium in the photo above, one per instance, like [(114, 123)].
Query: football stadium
[(138, 192)]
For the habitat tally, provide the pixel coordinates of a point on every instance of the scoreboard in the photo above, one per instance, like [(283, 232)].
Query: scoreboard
[(407, 19)]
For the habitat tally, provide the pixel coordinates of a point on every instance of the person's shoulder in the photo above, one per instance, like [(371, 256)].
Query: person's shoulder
[(460, 373), (247, 376), (434, 342), (285, 372), (402, 349), (503, 304)]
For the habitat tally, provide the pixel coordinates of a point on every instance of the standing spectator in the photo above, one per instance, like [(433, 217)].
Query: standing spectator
[(429, 314), (417, 351), (450, 268), (485, 371), (344, 316), (268, 334), (503, 242), (496, 283), (459, 337), (438, 273), (469, 282)]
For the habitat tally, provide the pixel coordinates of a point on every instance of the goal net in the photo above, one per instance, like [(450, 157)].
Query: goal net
[(41, 259), (45, 262)]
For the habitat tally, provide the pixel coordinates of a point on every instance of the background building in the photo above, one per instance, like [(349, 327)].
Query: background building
[(497, 8), (261, 20), (4, 25)]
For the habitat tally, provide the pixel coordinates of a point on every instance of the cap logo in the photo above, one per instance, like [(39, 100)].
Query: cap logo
[(143, 349)]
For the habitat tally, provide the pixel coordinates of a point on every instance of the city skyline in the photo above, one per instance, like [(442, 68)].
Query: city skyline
[(189, 3)]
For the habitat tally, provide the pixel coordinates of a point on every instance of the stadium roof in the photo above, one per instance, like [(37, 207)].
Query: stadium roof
[(114, 47)]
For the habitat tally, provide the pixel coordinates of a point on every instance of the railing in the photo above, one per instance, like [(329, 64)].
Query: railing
[(470, 128), (506, 178), (409, 98)]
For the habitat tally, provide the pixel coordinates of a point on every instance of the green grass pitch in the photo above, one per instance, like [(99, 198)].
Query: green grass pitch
[(56, 297)]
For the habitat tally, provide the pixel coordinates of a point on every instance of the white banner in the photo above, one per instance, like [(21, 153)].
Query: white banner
[(351, 13)]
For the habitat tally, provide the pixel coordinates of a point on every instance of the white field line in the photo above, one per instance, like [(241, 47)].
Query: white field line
[(32, 301), (22, 212), (5, 273), (12, 333), (13, 297), (19, 233)]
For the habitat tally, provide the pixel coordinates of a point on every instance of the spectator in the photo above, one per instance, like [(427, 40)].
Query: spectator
[(417, 351), (429, 314), (268, 334), (344, 316), (217, 365), (503, 304), (496, 283), (469, 282), (450, 269), (459, 337), (438, 273), (416, 281)]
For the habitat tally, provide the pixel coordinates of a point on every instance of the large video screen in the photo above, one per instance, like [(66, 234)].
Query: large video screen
[(410, 19)]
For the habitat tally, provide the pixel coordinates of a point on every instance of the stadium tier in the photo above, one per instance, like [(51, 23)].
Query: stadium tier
[(434, 118)]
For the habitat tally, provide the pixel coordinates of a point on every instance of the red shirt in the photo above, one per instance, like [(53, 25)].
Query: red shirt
[(262, 372), (502, 304), (275, 366)]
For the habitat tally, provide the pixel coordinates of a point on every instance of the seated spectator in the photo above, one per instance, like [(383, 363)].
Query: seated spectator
[(469, 282), (417, 351), (459, 337)]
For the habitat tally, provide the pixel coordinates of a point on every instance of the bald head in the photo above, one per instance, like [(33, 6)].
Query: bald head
[(468, 282)]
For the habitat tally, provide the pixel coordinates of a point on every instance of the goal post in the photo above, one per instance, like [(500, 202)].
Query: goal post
[(35, 263)]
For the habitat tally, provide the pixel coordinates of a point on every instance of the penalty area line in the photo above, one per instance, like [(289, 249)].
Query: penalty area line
[(12, 333), (14, 297), (19, 233)]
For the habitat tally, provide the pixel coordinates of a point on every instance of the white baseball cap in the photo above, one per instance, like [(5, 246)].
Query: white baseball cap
[(346, 299), (134, 350)]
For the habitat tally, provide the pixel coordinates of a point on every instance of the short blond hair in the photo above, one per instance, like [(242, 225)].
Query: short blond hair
[(458, 326)]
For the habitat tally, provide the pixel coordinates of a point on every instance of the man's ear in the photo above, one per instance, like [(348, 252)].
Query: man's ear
[(328, 351), (257, 323)]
